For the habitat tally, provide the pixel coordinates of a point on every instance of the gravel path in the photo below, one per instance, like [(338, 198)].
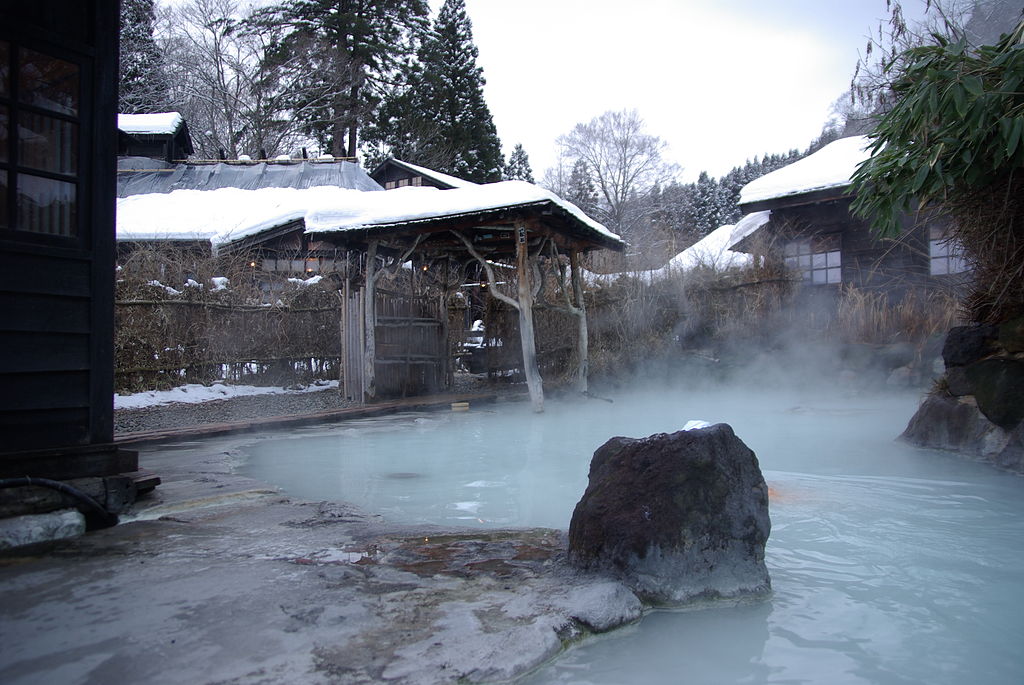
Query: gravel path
[(247, 408)]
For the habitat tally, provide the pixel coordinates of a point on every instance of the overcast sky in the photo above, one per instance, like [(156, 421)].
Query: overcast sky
[(720, 81)]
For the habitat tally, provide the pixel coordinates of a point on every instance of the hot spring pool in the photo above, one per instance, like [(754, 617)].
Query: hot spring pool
[(890, 564)]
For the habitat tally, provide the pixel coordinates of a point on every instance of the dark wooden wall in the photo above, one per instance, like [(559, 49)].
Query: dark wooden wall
[(56, 291), (867, 260)]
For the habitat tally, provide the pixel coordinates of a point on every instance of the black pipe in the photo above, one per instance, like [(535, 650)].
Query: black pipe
[(96, 516)]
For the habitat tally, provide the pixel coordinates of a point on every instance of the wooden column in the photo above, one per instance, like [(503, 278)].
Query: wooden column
[(583, 343), (370, 319), (526, 334)]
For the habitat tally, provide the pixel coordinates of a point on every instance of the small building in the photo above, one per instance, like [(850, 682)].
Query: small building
[(161, 135), (396, 340), (812, 229), (394, 173)]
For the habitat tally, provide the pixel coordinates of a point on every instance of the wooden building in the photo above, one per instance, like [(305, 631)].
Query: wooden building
[(394, 173), (162, 135), (58, 99), (812, 230)]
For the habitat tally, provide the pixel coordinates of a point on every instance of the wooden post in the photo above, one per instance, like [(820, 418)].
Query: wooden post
[(583, 347), (370, 318), (526, 334)]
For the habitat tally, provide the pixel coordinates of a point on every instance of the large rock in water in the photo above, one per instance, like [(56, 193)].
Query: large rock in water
[(677, 517)]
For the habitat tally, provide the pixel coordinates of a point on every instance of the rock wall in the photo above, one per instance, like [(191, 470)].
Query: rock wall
[(977, 408)]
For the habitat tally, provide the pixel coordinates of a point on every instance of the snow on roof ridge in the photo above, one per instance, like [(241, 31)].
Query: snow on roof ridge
[(228, 214), (151, 124), (444, 178), (830, 167)]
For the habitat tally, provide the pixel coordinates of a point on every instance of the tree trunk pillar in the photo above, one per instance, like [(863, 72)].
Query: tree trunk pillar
[(526, 334), (583, 341)]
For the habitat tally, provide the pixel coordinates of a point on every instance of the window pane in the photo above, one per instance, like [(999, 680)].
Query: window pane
[(835, 258), (805, 260), (48, 144), (818, 276), (4, 137), (46, 206), (835, 276), (48, 82), (789, 249), (957, 264), (3, 199), (5, 68), (818, 261), (940, 266)]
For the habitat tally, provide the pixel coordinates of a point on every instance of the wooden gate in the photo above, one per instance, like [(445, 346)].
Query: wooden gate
[(411, 344)]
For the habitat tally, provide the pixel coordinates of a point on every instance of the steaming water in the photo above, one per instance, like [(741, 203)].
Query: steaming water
[(890, 564)]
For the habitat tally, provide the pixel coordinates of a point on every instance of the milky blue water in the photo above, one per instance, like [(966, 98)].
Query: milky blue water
[(890, 564)]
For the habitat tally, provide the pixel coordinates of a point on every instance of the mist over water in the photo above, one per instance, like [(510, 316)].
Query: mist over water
[(890, 564)]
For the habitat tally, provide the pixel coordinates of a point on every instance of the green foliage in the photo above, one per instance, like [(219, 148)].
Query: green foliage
[(957, 125)]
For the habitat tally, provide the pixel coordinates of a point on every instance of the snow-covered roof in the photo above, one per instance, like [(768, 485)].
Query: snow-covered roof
[(445, 179), (830, 167), (141, 175), (150, 124), (713, 250), (228, 214)]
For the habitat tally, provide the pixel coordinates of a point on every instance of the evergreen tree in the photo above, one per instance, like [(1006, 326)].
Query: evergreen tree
[(143, 85), (441, 119), (350, 49), (518, 167), (580, 190)]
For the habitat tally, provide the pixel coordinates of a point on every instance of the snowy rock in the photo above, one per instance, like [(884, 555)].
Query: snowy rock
[(676, 517), (26, 530)]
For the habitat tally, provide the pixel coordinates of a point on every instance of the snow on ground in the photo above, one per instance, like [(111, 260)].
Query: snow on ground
[(830, 167), (228, 214), (193, 393), (143, 124)]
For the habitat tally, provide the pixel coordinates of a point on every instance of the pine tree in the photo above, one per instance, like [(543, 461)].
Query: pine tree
[(441, 119), (518, 167), (580, 190), (143, 85), (351, 50)]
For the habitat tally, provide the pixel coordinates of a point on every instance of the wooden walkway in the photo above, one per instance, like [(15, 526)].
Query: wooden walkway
[(426, 402)]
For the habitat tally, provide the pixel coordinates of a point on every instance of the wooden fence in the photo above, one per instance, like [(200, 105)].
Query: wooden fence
[(166, 342)]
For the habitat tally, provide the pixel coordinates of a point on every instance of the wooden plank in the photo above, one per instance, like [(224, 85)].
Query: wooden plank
[(44, 313), (43, 428), (45, 390), (44, 274), (26, 351)]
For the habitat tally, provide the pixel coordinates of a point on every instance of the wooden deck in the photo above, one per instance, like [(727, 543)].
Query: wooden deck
[(426, 402)]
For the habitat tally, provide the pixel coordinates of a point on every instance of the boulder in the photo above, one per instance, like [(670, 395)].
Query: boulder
[(967, 344), (999, 388), (951, 423), (957, 381), (677, 517), (1011, 335)]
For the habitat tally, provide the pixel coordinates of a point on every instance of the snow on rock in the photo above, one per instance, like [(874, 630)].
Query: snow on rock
[(220, 283), (150, 124), (193, 393), (228, 214), (830, 167)]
